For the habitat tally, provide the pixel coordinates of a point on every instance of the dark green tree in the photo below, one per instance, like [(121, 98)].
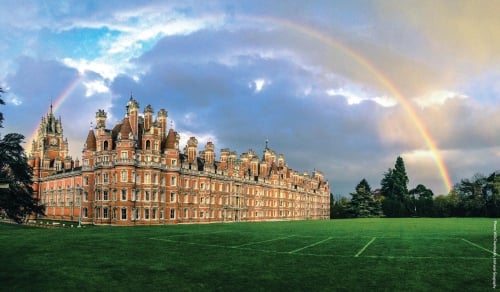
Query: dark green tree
[(1, 114), (363, 203), (394, 188), (339, 207), (492, 192), (472, 198), (422, 201), (479, 196), (16, 194)]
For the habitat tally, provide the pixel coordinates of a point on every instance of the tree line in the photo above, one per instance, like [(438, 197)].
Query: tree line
[(478, 196), (16, 194)]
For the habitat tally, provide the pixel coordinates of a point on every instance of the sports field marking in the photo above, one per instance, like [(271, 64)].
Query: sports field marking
[(206, 233), (364, 247), (296, 253), (310, 245), (189, 242), (478, 246), (264, 241)]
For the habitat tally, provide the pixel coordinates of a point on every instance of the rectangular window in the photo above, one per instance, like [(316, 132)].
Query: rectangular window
[(105, 213), (174, 162), (146, 195), (162, 196), (85, 212), (146, 213), (105, 178), (85, 180), (124, 176), (185, 212), (85, 196), (124, 195), (162, 213), (153, 214), (172, 213), (124, 214), (173, 181), (105, 195), (124, 155), (172, 197), (201, 214)]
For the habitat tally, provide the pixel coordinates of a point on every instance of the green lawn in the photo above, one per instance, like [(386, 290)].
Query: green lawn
[(360, 254)]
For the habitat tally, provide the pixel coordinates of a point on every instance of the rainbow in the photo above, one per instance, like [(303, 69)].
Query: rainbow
[(357, 57), (55, 105), (380, 77)]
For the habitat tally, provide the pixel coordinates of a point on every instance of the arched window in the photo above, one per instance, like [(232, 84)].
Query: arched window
[(105, 146), (148, 145)]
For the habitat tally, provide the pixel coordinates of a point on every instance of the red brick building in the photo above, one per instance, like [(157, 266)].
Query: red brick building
[(134, 173)]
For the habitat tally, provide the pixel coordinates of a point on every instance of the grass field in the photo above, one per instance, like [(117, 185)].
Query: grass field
[(361, 254)]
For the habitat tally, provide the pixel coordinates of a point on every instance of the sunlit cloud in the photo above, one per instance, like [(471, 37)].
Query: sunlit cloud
[(437, 98), (353, 98), (95, 86)]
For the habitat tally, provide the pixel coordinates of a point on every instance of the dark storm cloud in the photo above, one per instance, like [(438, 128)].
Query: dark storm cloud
[(309, 129)]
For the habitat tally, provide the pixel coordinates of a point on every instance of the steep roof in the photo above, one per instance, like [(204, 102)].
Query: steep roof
[(91, 143), (125, 128), (171, 139)]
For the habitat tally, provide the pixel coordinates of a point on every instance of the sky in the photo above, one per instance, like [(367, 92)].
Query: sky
[(343, 87)]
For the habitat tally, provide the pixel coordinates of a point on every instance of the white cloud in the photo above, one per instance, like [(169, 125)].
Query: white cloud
[(13, 99), (106, 69), (259, 84), (438, 97), (385, 101), (202, 138), (357, 96), (95, 86)]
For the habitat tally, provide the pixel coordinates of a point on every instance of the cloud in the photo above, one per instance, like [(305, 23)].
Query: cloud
[(322, 81)]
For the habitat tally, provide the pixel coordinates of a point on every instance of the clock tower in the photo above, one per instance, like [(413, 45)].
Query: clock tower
[(49, 149)]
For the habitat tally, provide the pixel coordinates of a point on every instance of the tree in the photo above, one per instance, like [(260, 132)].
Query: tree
[(339, 207), (492, 192), (1, 114), (394, 188), (16, 200), (479, 195), (421, 197), (363, 203), (472, 198)]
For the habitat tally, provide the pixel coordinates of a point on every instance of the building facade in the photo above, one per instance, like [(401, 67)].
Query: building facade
[(135, 174)]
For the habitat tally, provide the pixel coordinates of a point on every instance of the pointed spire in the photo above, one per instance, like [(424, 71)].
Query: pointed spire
[(91, 143)]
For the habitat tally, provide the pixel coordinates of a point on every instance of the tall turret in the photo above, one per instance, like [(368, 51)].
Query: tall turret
[(192, 145), (100, 117), (133, 115), (148, 117), (162, 120)]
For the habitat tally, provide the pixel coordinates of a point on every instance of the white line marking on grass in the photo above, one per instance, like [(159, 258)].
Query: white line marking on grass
[(206, 233), (364, 247), (324, 255), (480, 247), (310, 245), (264, 241), (189, 242)]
